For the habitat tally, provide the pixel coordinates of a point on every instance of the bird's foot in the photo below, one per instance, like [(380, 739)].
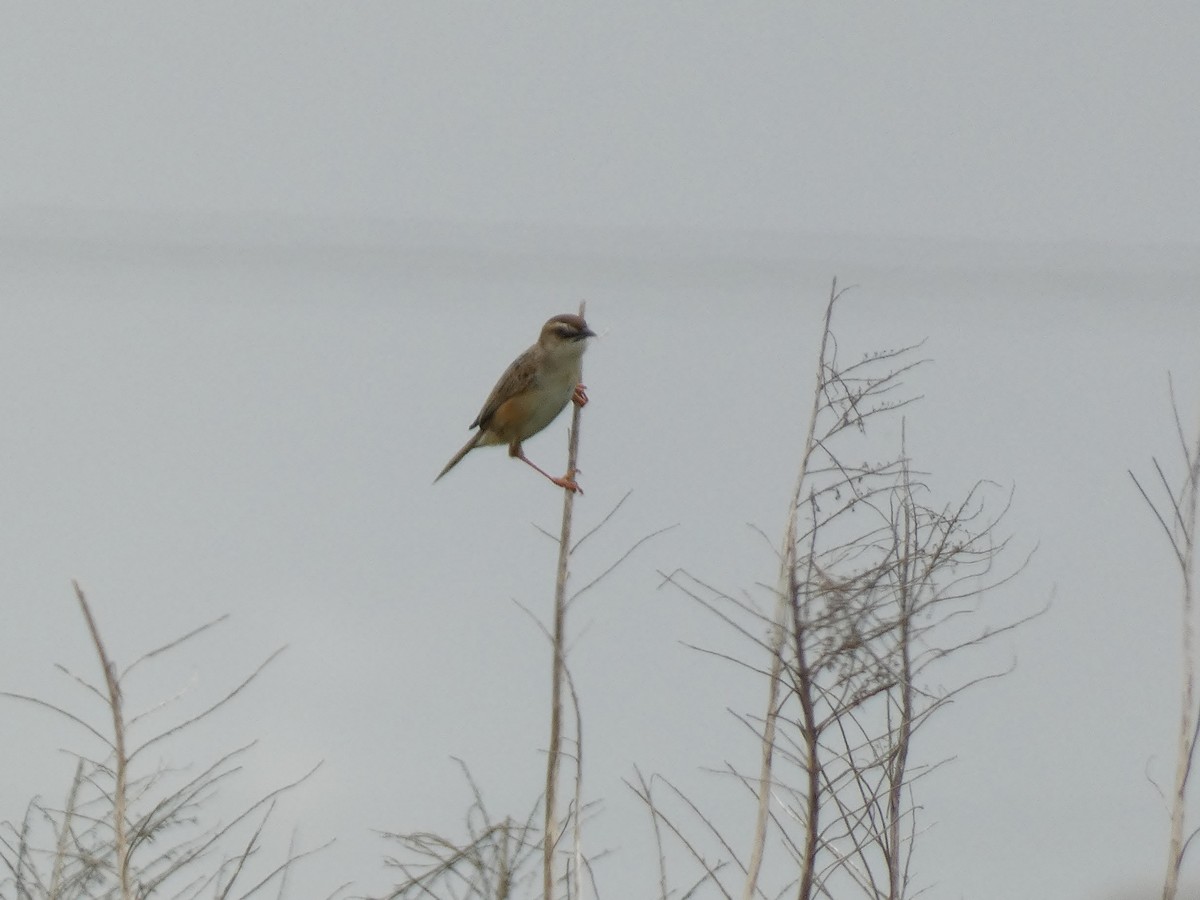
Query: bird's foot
[(579, 397), (567, 482)]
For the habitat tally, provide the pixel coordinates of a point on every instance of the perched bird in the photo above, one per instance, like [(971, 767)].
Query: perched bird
[(532, 392)]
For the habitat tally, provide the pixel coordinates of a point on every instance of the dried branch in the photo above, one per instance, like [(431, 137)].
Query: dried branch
[(550, 830), (874, 587), (111, 838), (1178, 522)]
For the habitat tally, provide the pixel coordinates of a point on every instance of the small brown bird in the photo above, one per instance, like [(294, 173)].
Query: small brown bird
[(532, 392)]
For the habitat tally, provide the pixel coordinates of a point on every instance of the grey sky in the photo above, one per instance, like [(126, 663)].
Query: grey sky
[(1020, 120), (260, 264)]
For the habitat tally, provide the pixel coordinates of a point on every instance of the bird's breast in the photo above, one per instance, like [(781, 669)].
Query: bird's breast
[(526, 414), (549, 397)]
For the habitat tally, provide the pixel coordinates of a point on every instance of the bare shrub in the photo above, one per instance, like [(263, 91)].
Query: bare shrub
[(875, 589), (130, 828), (1176, 513)]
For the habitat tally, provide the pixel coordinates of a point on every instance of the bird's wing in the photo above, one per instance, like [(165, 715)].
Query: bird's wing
[(517, 379)]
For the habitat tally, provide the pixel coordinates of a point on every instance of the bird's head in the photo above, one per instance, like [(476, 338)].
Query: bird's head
[(566, 334)]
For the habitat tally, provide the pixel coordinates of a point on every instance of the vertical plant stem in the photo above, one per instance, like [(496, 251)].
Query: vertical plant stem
[(805, 680), (550, 831), (1185, 548), (577, 822), (120, 837), (64, 834), (899, 763), (787, 577)]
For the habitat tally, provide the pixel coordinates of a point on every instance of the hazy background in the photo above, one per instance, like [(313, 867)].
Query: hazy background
[(260, 265)]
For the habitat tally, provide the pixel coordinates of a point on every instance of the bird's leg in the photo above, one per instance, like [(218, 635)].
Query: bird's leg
[(579, 395), (567, 482)]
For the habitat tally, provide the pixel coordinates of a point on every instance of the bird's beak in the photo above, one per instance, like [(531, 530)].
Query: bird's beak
[(586, 333)]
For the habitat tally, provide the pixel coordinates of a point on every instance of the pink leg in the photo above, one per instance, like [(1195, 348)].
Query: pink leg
[(566, 482), (579, 397)]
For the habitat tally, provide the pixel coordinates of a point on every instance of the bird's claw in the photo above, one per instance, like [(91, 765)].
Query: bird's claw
[(568, 484), (579, 396)]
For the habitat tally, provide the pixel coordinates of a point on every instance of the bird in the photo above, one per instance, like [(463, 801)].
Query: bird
[(532, 392)]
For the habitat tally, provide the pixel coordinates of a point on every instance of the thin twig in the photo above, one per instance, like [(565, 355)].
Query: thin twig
[(554, 750)]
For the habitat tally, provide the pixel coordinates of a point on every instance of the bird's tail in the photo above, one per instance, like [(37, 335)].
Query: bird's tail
[(457, 458)]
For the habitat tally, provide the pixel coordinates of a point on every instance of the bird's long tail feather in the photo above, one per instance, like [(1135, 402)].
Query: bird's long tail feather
[(457, 458)]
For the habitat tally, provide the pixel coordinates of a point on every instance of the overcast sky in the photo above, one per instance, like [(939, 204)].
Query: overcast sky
[(1017, 120), (261, 263)]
